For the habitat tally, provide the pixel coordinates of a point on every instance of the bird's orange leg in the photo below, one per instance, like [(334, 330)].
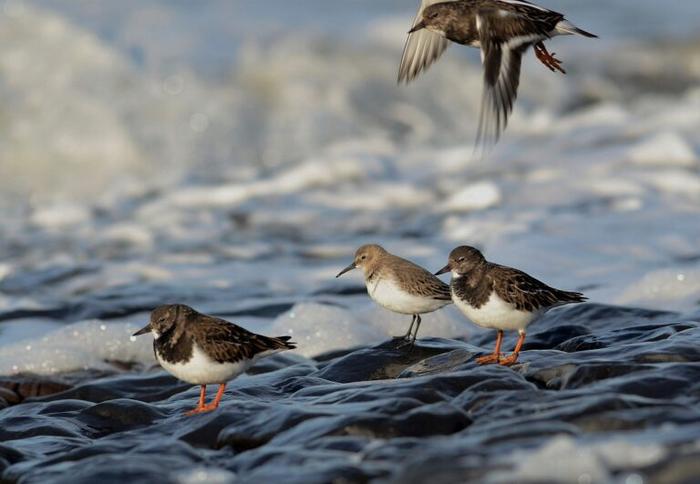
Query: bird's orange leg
[(215, 404), (494, 357), (200, 406), (512, 359), (551, 62)]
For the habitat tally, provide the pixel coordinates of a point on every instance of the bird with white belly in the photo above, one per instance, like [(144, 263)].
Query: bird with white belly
[(204, 350), (499, 297), (400, 285), (503, 30)]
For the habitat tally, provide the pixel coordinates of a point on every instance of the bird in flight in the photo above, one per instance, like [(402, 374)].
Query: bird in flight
[(503, 30)]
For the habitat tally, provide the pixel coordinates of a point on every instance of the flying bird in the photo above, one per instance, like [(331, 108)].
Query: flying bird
[(503, 30)]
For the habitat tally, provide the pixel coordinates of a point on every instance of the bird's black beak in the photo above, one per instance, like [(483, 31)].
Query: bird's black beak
[(419, 26), (347, 269), (443, 270), (144, 330)]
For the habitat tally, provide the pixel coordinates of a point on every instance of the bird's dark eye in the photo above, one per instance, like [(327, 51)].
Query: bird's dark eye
[(161, 320), (461, 259), (363, 257)]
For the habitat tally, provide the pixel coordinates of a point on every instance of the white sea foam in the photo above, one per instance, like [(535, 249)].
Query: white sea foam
[(678, 286), (476, 196), (563, 459), (664, 148), (79, 346), (203, 475), (317, 328)]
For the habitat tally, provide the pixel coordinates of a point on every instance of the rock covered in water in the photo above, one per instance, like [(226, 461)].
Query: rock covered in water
[(601, 393)]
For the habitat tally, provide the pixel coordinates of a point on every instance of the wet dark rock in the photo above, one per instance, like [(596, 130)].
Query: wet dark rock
[(39, 388), (593, 374), (112, 415), (8, 396), (443, 362), (580, 343), (151, 388), (9, 456), (281, 361), (387, 360), (19, 388)]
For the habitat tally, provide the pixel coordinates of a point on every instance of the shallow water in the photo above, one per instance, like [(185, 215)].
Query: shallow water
[(233, 157)]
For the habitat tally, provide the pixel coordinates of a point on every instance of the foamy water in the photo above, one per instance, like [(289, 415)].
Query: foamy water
[(164, 156)]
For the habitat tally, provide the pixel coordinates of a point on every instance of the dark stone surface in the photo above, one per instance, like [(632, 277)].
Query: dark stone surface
[(17, 389), (593, 374)]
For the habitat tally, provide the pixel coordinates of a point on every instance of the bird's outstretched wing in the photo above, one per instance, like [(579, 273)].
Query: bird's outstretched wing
[(507, 28), (422, 48)]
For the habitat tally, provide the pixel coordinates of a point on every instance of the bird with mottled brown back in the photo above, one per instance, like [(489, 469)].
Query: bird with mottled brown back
[(202, 349), (503, 30), (399, 285), (500, 297)]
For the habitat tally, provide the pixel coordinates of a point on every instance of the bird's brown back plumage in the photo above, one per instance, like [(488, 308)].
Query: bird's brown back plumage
[(227, 342), (419, 280), (223, 341), (527, 293)]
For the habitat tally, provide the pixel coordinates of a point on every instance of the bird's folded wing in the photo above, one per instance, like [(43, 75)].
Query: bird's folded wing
[(422, 48), (421, 282), (524, 291), (228, 342), (432, 287)]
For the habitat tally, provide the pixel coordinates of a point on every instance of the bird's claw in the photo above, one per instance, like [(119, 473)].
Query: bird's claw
[(489, 359), (548, 59)]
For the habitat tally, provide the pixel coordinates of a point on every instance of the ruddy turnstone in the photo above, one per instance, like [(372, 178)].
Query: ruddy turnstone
[(503, 30), (500, 297), (400, 285), (204, 350)]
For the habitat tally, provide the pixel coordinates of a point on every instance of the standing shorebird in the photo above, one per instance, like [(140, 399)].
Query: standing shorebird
[(500, 297), (400, 285), (204, 350), (503, 30)]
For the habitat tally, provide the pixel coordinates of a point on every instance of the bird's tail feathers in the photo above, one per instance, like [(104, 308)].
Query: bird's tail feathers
[(284, 343), (572, 297), (566, 27)]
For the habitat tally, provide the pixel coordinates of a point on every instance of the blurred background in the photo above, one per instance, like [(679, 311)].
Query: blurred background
[(233, 154)]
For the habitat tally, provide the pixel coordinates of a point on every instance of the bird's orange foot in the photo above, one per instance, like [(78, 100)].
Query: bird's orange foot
[(549, 60), (489, 359), (202, 409), (510, 360)]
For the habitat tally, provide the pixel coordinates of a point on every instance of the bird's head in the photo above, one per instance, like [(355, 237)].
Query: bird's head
[(163, 318), (463, 260), (434, 18), (366, 258)]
